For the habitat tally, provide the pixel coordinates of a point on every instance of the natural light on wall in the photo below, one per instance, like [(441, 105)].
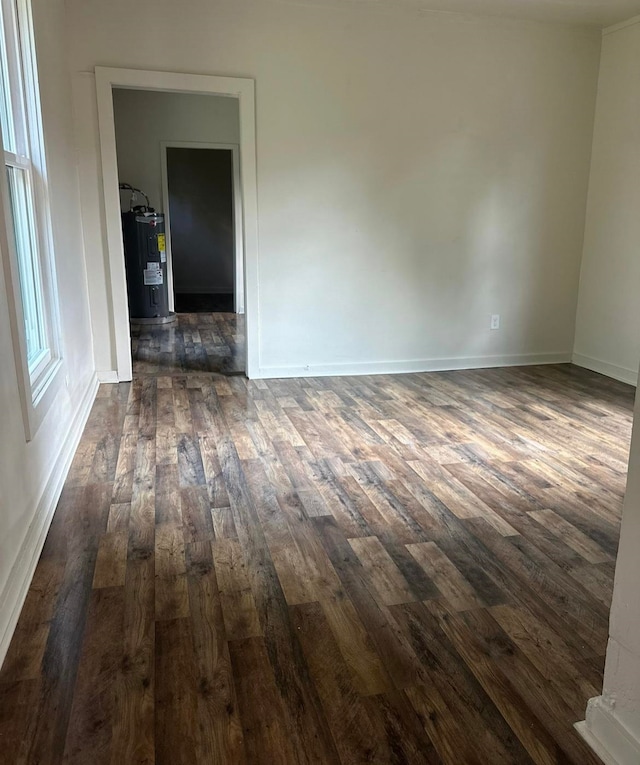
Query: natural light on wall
[(28, 229)]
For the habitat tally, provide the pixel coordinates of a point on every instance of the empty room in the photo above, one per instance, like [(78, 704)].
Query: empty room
[(320, 338)]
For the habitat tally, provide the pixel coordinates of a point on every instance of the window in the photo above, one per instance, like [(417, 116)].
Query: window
[(25, 196)]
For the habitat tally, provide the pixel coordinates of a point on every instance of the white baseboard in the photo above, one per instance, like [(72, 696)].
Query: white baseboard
[(15, 591), (607, 736), (419, 365), (604, 368), (108, 376)]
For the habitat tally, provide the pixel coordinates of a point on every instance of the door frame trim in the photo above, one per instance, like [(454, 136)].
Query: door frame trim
[(241, 88), (236, 191)]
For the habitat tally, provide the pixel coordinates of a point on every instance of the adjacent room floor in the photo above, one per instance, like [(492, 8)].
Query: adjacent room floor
[(393, 569), (196, 342)]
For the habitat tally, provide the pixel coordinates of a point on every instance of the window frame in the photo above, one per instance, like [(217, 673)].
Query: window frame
[(40, 382)]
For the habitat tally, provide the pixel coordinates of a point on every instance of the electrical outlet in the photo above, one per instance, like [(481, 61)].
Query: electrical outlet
[(495, 321)]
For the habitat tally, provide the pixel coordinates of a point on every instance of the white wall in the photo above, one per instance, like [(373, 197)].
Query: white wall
[(613, 719), (30, 473), (145, 118), (608, 319), (416, 173), (608, 340)]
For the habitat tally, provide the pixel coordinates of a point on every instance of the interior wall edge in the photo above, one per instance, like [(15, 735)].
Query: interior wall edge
[(606, 306), (109, 376), (607, 736), (621, 25), (15, 590), (416, 365), (605, 368), (588, 191)]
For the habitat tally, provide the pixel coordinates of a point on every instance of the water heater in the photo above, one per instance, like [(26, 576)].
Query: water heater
[(145, 257)]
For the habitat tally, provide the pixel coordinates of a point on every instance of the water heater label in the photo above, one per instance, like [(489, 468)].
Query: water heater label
[(162, 248), (153, 274)]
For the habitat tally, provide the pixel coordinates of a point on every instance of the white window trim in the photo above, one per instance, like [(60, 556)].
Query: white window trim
[(39, 387)]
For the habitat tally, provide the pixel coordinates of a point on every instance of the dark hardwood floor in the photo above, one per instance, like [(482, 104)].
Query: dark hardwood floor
[(197, 342), (394, 569)]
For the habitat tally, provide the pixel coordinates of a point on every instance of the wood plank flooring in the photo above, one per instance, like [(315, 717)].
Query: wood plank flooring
[(393, 569), (196, 343)]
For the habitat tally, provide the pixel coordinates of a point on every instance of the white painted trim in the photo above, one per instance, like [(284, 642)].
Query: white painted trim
[(108, 376), (36, 395), (605, 368), (417, 365), (607, 736), (115, 248), (15, 591), (622, 25), (594, 743), (238, 297), (175, 82), (167, 224)]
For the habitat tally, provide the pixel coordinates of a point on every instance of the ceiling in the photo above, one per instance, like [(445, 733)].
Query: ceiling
[(600, 13)]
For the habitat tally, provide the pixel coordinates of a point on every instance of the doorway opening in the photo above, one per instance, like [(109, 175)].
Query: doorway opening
[(199, 340), (181, 200), (203, 215)]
